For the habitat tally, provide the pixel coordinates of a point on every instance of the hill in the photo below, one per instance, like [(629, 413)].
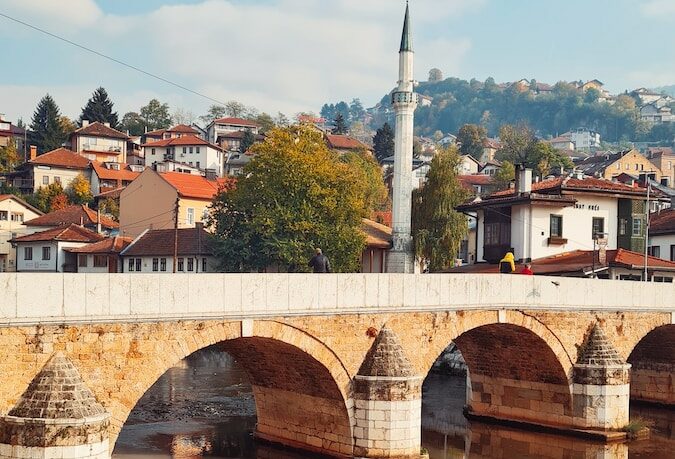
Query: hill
[(670, 90)]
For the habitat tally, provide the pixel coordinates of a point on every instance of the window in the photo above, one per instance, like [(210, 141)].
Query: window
[(45, 180), (654, 251), (28, 253), (181, 264), (17, 217), (57, 179), (627, 166), (637, 167), (46, 253), (197, 150), (492, 234), (618, 166), (191, 264), (100, 261), (672, 253), (203, 265), (82, 260), (556, 225), (138, 265), (131, 264), (197, 164), (184, 150), (152, 151), (191, 148), (162, 264), (190, 216), (623, 224), (630, 277), (662, 279), (3, 215), (598, 228), (637, 226), (155, 264), (642, 167)]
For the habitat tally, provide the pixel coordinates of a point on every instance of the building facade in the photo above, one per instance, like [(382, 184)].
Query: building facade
[(189, 150), (14, 211), (99, 142)]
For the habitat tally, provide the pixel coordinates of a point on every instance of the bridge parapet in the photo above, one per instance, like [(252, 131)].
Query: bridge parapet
[(70, 298)]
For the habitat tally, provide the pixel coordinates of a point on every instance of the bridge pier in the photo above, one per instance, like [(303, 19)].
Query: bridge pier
[(388, 402), (56, 417)]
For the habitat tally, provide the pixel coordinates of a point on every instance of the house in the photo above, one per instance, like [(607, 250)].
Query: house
[(584, 139), (11, 133), (174, 166), (594, 84), (490, 167), (14, 211), (57, 166), (134, 151), (344, 143), (449, 139), (646, 96), (490, 148), (174, 132), (100, 257), (99, 142), (617, 264), (558, 215), (110, 176), (477, 184), (664, 159), (78, 214), (221, 126), (378, 242), (150, 201), (468, 165), (234, 165), (153, 251), (45, 251), (610, 165), (662, 234), (654, 114), (187, 149), (231, 141), (424, 100), (563, 142)]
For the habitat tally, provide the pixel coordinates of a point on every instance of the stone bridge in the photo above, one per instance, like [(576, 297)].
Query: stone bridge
[(336, 361)]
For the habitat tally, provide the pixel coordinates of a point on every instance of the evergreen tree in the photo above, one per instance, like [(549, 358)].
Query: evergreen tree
[(247, 140), (383, 142), (47, 132), (99, 108), (438, 229), (340, 125)]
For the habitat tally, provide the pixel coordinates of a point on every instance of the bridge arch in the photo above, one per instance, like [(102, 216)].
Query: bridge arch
[(300, 386), (653, 366)]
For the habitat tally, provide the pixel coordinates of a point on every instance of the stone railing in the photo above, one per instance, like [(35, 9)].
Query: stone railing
[(29, 298)]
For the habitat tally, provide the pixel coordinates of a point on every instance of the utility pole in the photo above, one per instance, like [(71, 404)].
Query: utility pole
[(649, 186), (175, 234)]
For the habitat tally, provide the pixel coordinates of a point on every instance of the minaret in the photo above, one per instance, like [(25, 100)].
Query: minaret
[(400, 258)]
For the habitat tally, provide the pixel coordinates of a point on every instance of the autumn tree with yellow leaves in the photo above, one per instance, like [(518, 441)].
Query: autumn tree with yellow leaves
[(294, 195), (79, 190)]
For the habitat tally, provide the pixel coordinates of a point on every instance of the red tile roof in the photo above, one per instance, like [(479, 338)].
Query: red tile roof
[(113, 244), (191, 241), (62, 157), (105, 173), (377, 234), (185, 140), (114, 194), (97, 129), (468, 181), (235, 122), (344, 142), (662, 222), (77, 214), (570, 183), (65, 233), (182, 128), (195, 186)]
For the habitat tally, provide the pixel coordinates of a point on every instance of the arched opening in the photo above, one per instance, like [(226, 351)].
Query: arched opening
[(513, 375), (653, 367), (214, 400)]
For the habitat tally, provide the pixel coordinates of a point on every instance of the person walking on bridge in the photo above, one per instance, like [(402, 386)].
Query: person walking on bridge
[(319, 262)]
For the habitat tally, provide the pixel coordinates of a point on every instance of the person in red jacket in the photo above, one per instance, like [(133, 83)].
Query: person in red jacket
[(527, 270)]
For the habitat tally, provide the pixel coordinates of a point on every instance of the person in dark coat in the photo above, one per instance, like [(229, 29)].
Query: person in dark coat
[(319, 262)]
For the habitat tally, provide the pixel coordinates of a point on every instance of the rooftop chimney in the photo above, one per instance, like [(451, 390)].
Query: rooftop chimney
[(33, 152), (523, 179), (85, 123), (106, 124)]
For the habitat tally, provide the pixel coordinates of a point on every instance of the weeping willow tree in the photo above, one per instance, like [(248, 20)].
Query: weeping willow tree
[(438, 229)]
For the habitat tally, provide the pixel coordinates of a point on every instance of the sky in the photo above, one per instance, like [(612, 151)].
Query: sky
[(295, 55)]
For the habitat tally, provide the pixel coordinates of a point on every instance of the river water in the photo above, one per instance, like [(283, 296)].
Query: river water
[(204, 408)]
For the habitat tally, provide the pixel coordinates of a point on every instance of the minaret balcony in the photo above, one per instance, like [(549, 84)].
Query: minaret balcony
[(404, 97)]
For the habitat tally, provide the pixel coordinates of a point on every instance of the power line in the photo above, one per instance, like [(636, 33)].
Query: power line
[(110, 58)]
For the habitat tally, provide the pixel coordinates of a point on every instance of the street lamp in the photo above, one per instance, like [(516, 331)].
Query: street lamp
[(596, 237)]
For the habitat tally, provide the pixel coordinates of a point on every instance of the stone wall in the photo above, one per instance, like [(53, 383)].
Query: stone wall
[(653, 372)]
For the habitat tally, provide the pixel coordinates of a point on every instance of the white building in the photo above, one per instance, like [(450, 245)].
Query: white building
[(14, 211), (662, 235), (190, 150), (584, 139), (57, 166), (100, 257), (46, 251), (468, 165), (221, 126)]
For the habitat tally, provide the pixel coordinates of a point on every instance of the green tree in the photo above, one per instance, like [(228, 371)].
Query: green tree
[(46, 130), (375, 191), (79, 190), (110, 207), (340, 125), (9, 157), (435, 75), (383, 142), (438, 229), (504, 176), (471, 138), (132, 122), (520, 146), (155, 115), (45, 196), (282, 120), (67, 125), (99, 108), (214, 112), (247, 141), (356, 110), (294, 195), (235, 109), (265, 121)]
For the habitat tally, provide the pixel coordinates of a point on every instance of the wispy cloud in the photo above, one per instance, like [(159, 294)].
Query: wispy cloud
[(658, 8)]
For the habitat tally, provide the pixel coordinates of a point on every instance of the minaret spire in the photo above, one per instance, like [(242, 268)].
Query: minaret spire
[(400, 258)]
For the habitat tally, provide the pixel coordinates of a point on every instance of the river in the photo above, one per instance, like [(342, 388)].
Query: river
[(204, 408)]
